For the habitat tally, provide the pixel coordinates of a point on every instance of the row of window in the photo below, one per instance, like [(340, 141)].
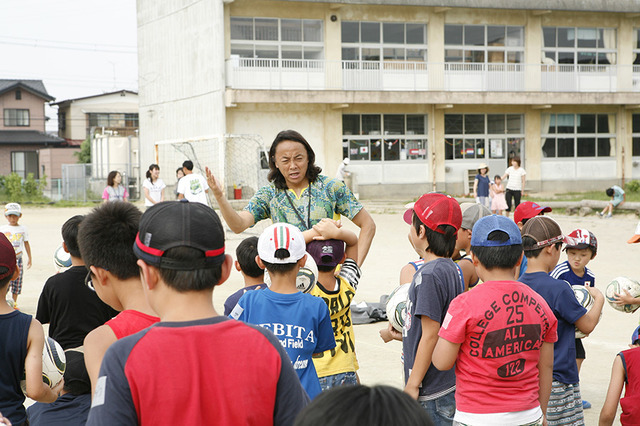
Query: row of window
[(14, 117), (274, 38), (113, 120)]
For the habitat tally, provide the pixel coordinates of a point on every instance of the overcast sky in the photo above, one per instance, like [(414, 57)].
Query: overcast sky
[(76, 47)]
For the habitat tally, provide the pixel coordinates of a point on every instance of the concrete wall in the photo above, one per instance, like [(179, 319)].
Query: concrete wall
[(33, 103), (52, 159)]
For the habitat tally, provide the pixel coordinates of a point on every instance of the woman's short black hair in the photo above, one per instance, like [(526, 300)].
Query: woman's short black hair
[(274, 174), (505, 257), (111, 176), (442, 243)]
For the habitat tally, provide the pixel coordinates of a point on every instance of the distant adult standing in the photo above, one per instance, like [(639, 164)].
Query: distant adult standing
[(481, 186), (342, 172), (515, 186), (114, 191), (179, 175), (192, 186), (153, 186)]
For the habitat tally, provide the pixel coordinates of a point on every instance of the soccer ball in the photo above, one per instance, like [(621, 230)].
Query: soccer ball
[(586, 300), (54, 364), (307, 276), (61, 259), (617, 286), (397, 306)]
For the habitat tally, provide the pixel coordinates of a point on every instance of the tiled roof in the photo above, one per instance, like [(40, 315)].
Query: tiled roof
[(20, 137), (34, 86)]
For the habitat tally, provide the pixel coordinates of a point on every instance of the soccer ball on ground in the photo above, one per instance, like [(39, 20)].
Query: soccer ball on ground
[(586, 300), (61, 259), (617, 286), (397, 306), (307, 276), (54, 364)]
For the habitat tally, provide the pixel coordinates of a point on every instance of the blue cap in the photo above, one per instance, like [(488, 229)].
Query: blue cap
[(486, 225), (635, 337)]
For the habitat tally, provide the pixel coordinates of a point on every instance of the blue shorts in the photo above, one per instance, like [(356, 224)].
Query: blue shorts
[(341, 379), (441, 410)]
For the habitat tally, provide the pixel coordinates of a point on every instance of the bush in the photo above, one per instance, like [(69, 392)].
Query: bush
[(33, 188), (13, 188), (632, 186)]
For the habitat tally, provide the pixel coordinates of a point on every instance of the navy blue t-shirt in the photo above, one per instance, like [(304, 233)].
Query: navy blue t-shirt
[(560, 298), (232, 300), (483, 185), (563, 271)]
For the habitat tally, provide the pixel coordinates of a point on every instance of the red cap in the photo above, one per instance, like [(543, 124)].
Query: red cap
[(527, 210), (7, 256), (435, 209)]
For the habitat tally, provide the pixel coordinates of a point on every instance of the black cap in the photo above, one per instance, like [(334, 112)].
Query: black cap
[(180, 224)]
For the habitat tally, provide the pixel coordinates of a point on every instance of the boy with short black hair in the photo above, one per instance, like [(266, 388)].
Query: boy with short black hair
[(471, 212), (542, 241), (18, 236), (499, 335), (299, 320), (21, 344), (195, 367), (253, 275), (106, 237)]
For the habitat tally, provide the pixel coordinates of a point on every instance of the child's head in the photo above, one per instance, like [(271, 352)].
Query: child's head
[(540, 232), (496, 242), (609, 192), (246, 258), (8, 264), (582, 246), (70, 234), (435, 220), (280, 247), (471, 213), (326, 253), (527, 210), (13, 213), (106, 238), (185, 242), (497, 179), (187, 165)]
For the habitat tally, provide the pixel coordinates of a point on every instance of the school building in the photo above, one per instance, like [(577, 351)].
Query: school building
[(417, 93)]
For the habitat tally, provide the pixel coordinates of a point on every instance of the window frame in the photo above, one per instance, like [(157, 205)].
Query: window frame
[(24, 172), (452, 139), (576, 50), (470, 50), (577, 136), (16, 120)]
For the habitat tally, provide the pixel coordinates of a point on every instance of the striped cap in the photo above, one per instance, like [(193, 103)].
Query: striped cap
[(281, 243)]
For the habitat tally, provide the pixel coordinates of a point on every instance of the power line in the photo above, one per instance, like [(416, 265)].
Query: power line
[(72, 42), (38, 44)]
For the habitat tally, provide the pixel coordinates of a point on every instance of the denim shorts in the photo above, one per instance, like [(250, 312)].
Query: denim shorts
[(341, 379), (441, 410)]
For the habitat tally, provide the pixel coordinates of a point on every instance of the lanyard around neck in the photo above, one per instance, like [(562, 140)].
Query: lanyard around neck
[(295, 210)]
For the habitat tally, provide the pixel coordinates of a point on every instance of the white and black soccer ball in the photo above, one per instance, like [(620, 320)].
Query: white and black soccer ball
[(617, 286), (586, 300), (397, 306), (54, 363), (307, 276), (61, 259)]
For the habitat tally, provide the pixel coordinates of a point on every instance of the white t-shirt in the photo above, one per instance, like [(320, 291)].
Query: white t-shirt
[(155, 190), (16, 235), (515, 178), (193, 186)]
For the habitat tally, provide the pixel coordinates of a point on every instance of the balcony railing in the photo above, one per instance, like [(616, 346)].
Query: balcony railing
[(302, 74)]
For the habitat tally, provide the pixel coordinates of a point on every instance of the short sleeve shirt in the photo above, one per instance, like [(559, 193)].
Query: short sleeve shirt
[(501, 326), (155, 190), (564, 272), (17, 235), (515, 178), (193, 186), (323, 198), (115, 194)]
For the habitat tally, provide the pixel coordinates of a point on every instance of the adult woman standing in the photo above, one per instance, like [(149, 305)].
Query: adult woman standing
[(153, 186), (297, 194), (114, 191), (515, 186)]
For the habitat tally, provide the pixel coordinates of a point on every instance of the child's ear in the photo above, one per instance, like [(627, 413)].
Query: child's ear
[(259, 262), (302, 261), (64, 247), (226, 268), (148, 275), (100, 275), (237, 265)]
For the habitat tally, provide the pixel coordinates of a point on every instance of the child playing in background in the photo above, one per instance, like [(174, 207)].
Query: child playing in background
[(617, 197), (581, 248), (499, 335), (498, 201), (300, 321), (18, 235), (336, 367), (624, 374), (253, 275)]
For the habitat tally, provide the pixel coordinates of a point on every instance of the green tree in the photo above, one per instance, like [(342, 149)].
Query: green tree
[(84, 155), (13, 187)]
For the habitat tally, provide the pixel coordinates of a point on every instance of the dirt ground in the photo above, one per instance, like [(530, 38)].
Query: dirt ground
[(380, 362)]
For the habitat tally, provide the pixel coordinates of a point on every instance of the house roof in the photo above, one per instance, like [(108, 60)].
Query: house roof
[(28, 137), (34, 86), (68, 101)]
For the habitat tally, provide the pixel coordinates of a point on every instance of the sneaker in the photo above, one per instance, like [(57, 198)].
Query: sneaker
[(608, 216), (599, 214), (586, 405)]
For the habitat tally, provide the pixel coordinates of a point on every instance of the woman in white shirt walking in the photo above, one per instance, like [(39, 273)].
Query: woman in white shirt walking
[(515, 186)]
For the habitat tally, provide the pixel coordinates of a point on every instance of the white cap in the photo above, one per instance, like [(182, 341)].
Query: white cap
[(12, 208), (347, 160), (285, 240)]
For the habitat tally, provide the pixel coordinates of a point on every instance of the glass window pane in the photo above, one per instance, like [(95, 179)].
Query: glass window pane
[(495, 124), (370, 32), (604, 147), (496, 57), (291, 29), (635, 120), (416, 124), (549, 148), (587, 57), (369, 54), (391, 149), (566, 37), (565, 147), (566, 58), (586, 124), (350, 32), (515, 36), (371, 124), (496, 35), (313, 52), (496, 148), (266, 29), (478, 56), (267, 52), (587, 37), (291, 52), (417, 55), (603, 124), (452, 34), (606, 58), (586, 147), (350, 124), (242, 50), (473, 124), (393, 33), (453, 124), (416, 33), (393, 124), (376, 149), (393, 54), (549, 34), (474, 35), (414, 149), (241, 28), (350, 54), (515, 57), (480, 145), (453, 55), (312, 29), (564, 123), (359, 149), (448, 149), (469, 148), (636, 147)]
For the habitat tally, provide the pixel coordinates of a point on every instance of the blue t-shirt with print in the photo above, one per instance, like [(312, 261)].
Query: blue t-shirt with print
[(563, 271), (300, 321)]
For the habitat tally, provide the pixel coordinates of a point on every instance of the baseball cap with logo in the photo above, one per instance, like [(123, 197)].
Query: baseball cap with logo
[(7, 257), (543, 230), (281, 243), (581, 239), (435, 209), (326, 252), (527, 210), (12, 208), (488, 224), (173, 224), (471, 212)]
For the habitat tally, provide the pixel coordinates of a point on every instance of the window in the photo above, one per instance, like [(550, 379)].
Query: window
[(384, 41), (576, 46), (473, 136), (384, 137), (272, 38), (18, 95), (113, 120), (636, 46), (62, 121), (484, 44), (16, 117), (635, 129), (578, 135), (24, 162)]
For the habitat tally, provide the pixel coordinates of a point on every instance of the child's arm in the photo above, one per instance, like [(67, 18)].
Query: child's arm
[(588, 321), (406, 273), (545, 375), (36, 389), (445, 354), (27, 248), (608, 412), (626, 298), (329, 230), (388, 334), (95, 346), (422, 361), (147, 195), (475, 188)]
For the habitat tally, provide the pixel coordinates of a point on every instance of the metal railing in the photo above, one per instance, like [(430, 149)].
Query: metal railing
[(304, 74)]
